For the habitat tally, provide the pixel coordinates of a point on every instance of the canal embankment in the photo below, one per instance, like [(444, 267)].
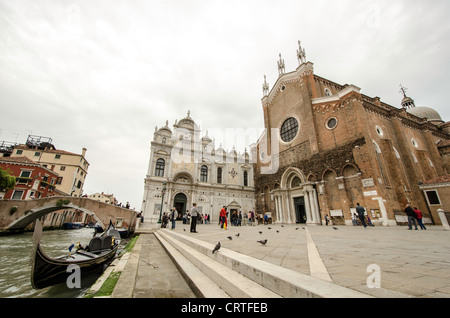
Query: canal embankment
[(105, 284)]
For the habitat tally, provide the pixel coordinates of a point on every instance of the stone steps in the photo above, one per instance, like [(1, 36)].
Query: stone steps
[(241, 276), (205, 275)]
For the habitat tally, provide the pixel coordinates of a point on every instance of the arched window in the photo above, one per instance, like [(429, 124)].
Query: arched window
[(159, 171), (204, 174), (245, 178), (219, 175)]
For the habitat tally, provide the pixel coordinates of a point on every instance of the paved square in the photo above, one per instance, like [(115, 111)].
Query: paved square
[(412, 263)]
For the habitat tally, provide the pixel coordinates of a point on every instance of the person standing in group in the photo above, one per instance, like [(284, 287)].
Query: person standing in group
[(250, 218), (173, 217), (360, 210), (194, 214), (419, 218), (411, 217)]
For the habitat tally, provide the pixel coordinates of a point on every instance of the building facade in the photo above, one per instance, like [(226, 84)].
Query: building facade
[(103, 197), (33, 181), (71, 167), (327, 147), (185, 168)]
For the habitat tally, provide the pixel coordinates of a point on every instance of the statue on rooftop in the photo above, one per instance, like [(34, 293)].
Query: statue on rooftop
[(301, 55)]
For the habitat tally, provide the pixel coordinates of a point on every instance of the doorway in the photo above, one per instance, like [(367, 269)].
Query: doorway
[(300, 211), (179, 203)]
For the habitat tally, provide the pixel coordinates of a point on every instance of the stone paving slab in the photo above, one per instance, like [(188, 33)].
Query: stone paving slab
[(150, 273), (411, 263)]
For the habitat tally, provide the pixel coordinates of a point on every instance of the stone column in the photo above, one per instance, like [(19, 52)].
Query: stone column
[(282, 208), (315, 205), (288, 209), (313, 208), (275, 199), (278, 208), (309, 218)]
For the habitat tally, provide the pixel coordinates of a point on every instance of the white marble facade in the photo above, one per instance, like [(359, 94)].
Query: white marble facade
[(191, 169)]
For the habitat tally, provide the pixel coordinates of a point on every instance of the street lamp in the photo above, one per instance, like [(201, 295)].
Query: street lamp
[(163, 191)]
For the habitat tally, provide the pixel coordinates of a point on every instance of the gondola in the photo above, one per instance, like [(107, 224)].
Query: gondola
[(47, 271)]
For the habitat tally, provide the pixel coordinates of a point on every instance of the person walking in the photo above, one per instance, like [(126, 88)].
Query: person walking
[(419, 218), (360, 210), (194, 214), (173, 217), (411, 216)]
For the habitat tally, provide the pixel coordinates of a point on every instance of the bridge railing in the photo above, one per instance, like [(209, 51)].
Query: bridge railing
[(15, 213)]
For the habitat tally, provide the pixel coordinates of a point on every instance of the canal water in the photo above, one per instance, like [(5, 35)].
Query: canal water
[(15, 266)]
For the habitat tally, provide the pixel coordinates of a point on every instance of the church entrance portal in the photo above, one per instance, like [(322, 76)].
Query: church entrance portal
[(179, 203), (300, 211)]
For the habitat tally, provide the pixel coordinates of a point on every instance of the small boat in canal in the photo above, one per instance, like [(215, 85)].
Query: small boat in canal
[(72, 225), (47, 271)]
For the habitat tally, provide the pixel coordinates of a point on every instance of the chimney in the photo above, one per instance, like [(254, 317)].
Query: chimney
[(83, 153)]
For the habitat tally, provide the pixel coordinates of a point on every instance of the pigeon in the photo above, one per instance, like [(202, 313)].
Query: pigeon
[(184, 230), (282, 225), (260, 232), (296, 228), (237, 235), (269, 228), (229, 237), (303, 227), (216, 248), (278, 231), (335, 228), (263, 242)]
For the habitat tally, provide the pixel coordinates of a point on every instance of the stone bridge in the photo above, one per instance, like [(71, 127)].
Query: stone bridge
[(16, 215)]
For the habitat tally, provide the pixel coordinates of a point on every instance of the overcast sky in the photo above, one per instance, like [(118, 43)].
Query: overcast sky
[(103, 74)]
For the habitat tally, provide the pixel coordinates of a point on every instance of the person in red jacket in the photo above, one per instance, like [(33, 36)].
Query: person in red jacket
[(419, 218), (222, 216)]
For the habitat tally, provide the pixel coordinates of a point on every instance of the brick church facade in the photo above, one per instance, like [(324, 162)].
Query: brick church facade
[(327, 147)]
